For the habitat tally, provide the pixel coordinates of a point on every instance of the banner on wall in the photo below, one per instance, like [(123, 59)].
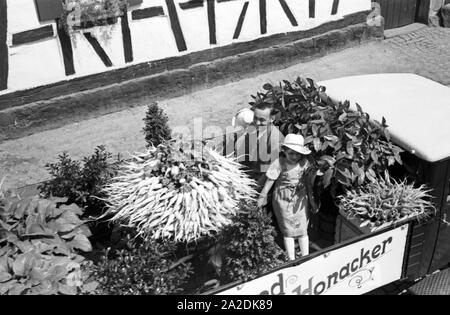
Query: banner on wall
[(351, 270)]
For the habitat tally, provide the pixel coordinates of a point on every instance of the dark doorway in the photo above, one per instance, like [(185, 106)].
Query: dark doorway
[(423, 10), (398, 13)]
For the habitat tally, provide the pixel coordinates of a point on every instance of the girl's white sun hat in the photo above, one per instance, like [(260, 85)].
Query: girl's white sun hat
[(296, 143)]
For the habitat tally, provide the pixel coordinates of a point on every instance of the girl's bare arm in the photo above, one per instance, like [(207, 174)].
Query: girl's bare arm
[(262, 200)]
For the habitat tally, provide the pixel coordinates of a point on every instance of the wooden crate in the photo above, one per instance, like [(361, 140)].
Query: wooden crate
[(345, 230), (348, 228)]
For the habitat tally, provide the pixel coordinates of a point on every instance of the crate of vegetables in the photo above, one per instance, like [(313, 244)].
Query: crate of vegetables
[(381, 204)]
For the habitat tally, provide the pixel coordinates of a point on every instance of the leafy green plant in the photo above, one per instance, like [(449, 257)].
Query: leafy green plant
[(249, 247), (349, 149), (39, 244), (149, 268), (82, 182), (156, 127), (386, 201)]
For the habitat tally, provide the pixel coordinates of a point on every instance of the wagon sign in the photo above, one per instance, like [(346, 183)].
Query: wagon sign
[(351, 270)]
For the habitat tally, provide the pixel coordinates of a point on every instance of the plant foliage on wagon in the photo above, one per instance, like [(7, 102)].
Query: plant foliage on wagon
[(349, 149), (156, 128), (82, 182), (40, 241), (143, 268), (387, 201), (249, 247)]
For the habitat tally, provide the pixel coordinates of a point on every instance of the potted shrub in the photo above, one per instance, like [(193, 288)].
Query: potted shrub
[(248, 246), (82, 183), (156, 129), (142, 268), (384, 203)]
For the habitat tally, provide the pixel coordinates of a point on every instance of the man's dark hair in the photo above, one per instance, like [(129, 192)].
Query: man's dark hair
[(265, 105), (262, 105)]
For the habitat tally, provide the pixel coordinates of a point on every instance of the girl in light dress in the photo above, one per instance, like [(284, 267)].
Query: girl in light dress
[(293, 193)]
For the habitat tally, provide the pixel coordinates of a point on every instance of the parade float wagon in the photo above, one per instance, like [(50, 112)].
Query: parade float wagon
[(417, 110)]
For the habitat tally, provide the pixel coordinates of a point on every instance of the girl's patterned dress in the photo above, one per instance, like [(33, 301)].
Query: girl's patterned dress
[(290, 198)]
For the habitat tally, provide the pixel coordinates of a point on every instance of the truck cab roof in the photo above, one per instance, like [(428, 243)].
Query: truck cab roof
[(417, 110)]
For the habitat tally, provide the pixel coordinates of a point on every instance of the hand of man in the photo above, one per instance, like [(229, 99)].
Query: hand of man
[(314, 207)]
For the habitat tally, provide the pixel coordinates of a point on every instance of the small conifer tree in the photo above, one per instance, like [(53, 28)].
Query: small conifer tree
[(156, 127)]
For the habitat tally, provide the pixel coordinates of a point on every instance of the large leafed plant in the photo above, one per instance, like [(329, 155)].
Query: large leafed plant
[(39, 244), (349, 149)]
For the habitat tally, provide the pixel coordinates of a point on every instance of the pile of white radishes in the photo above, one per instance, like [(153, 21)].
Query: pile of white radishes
[(176, 193)]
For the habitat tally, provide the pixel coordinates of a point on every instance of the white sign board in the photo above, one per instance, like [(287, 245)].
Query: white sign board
[(351, 270)]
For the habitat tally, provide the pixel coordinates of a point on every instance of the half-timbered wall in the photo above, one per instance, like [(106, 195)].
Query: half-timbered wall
[(38, 53)]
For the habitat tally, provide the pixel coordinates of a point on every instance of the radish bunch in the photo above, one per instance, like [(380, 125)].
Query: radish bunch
[(178, 193)]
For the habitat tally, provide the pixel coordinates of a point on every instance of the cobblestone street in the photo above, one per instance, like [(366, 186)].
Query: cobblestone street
[(428, 49), (425, 52)]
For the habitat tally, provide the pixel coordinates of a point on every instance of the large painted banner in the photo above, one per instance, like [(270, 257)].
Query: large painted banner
[(40, 53), (351, 270)]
